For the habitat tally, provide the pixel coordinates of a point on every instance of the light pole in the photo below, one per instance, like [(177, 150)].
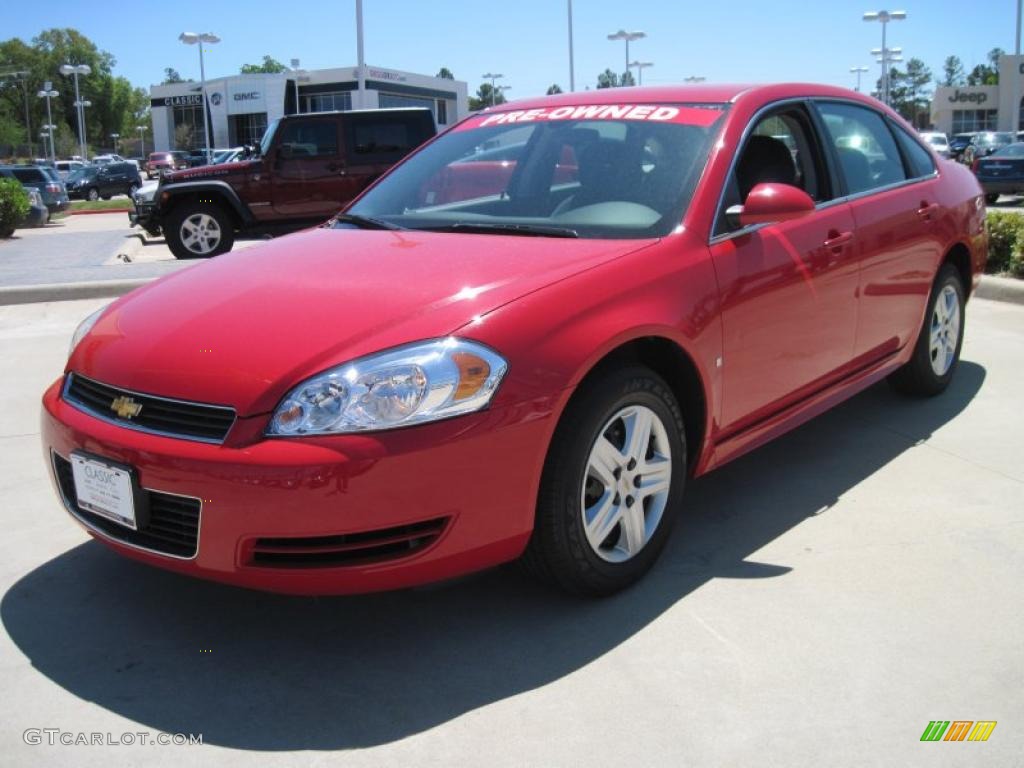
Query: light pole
[(572, 72), (640, 66), (628, 37), (76, 70), (694, 79), (115, 137), (885, 17), (193, 38), (886, 57), (142, 140), (502, 88), (859, 71), (492, 77), (48, 93), (300, 75), (361, 60)]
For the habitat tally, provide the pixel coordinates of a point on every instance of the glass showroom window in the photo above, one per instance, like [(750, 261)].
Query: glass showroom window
[(967, 120)]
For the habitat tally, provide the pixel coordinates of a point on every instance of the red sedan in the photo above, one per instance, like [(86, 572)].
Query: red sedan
[(457, 372)]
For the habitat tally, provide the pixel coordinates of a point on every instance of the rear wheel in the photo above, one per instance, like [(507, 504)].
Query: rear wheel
[(198, 230), (937, 351), (991, 199), (93, 194), (611, 484)]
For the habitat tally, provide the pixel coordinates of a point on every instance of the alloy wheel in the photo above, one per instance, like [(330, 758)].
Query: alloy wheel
[(200, 233), (626, 483), (944, 333)]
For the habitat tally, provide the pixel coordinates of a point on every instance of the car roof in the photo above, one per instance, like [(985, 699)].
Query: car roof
[(703, 93)]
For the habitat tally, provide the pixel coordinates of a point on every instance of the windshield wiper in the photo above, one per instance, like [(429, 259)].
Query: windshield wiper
[(525, 230), (365, 222)]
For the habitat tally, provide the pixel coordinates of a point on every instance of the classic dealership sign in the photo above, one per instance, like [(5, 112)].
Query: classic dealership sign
[(188, 100)]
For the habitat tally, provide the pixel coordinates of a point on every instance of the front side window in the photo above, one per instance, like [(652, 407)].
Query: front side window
[(867, 152), (615, 171), (308, 138)]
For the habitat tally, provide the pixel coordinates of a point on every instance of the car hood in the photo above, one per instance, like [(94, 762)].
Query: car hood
[(207, 171), (247, 326)]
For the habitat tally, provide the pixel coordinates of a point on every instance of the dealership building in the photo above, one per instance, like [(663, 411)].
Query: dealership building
[(964, 108), (241, 107)]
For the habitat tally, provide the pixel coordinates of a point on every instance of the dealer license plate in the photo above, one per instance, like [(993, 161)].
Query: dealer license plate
[(104, 489)]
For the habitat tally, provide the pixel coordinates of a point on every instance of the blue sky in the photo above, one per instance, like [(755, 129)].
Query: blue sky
[(526, 40)]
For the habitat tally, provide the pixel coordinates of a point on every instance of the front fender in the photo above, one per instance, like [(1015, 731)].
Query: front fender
[(168, 194)]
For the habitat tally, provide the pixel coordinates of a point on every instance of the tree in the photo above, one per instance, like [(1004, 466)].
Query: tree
[(952, 72), (269, 66), (553, 89), (482, 100), (171, 76), (627, 79), (987, 74), (445, 74), (608, 79), (909, 93)]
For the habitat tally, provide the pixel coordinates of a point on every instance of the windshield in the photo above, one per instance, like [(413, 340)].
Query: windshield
[(615, 171), (268, 138), (81, 173), (1013, 150)]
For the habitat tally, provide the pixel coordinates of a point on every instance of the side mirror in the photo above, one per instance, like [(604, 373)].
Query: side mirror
[(769, 203)]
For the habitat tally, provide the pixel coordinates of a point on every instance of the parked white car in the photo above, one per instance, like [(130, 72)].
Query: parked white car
[(66, 167), (939, 142)]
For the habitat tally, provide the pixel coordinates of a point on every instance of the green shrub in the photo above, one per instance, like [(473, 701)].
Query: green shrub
[(13, 206), (1005, 237)]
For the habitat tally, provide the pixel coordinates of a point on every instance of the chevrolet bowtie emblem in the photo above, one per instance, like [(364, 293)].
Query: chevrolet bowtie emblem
[(125, 407)]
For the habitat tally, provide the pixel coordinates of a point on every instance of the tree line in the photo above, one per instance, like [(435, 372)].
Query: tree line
[(117, 106)]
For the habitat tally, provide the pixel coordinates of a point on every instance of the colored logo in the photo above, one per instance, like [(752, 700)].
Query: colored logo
[(125, 407), (958, 730)]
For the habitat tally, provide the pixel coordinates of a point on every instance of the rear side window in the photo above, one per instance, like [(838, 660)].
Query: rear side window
[(309, 138), (28, 175), (918, 158), (380, 139), (867, 152)]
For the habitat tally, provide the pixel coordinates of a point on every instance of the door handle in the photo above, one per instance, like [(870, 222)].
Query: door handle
[(836, 240), (927, 211)]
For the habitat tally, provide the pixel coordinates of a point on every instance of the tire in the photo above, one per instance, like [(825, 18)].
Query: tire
[(991, 199), (560, 551), (932, 365), (196, 230), (92, 194)]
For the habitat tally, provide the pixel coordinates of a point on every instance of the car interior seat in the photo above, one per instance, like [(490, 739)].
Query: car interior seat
[(765, 160)]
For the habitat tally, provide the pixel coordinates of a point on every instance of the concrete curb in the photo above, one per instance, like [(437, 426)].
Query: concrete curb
[(1001, 289), (101, 210), (97, 289)]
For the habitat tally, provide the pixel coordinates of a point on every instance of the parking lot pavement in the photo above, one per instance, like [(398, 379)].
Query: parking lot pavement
[(87, 248), (821, 600)]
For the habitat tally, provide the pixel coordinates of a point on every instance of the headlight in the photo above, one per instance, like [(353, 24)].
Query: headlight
[(84, 327), (421, 382)]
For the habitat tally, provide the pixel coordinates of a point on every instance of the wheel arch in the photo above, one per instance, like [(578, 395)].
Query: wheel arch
[(667, 358), (174, 195), (960, 257)]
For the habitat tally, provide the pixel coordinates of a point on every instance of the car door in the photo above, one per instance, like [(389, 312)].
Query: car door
[(788, 289), (373, 143), (306, 166), (893, 195)]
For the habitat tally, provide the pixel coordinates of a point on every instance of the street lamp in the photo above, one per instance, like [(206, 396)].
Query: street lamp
[(192, 38), (48, 93), (885, 17), (640, 66), (628, 37), (859, 71), (572, 70), (142, 140), (76, 70), (80, 105), (300, 76), (492, 77), (502, 88), (694, 79)]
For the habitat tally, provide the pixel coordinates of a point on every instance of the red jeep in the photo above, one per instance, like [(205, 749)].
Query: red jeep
[(306, 168)]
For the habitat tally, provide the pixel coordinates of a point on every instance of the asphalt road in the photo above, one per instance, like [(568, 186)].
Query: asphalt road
[(821, 601)]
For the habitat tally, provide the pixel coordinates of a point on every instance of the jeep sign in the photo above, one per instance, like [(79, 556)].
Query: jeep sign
[(973, 98)]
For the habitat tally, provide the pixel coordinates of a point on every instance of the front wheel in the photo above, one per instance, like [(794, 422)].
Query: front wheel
[(93, 194), (198, 231), (611, 484), (937, 350)]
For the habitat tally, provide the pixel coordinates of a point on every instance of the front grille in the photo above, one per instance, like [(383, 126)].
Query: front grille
[(346, 549), (173, 527), (175, 418)]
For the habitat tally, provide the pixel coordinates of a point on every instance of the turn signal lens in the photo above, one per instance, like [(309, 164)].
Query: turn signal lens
[(473, 374)]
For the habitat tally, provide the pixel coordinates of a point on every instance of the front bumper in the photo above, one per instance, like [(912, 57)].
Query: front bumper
[(144, 215), (479, 473)]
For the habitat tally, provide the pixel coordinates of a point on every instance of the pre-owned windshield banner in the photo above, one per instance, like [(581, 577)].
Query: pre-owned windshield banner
[(652, 113)]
